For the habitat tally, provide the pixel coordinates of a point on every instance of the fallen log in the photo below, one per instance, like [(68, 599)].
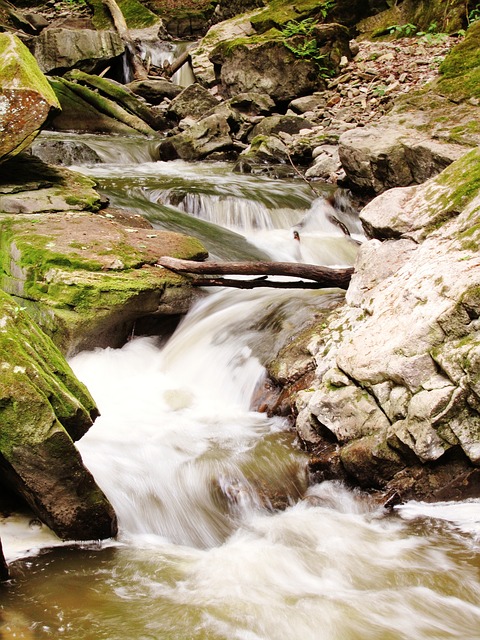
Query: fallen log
[(323, 277), (177, 64)]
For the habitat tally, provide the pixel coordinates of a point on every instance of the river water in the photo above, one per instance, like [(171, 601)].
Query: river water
[(221, 537)]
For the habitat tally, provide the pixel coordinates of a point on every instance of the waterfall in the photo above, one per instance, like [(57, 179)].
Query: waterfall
[(221, 538), (156, 53)]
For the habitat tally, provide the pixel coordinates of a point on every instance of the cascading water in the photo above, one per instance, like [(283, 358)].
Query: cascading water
[(158, 52), (220, 538)]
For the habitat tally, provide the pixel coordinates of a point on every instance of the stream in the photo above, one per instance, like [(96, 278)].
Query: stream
[(220, 535)]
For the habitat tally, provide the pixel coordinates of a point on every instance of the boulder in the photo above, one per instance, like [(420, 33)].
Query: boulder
[(397, 366), (28, 186), (43, 408), (193, 102), (26, 98), (58, 50), (263, 152), (252, 104), (202, 66), (154, 91), (264, 65), (207, 136), (380, 157)]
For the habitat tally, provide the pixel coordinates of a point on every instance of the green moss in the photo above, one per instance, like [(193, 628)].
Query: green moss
[(39, 390), (461, 68), (226, 48), (136, 15), (279, 12), (18, 68)]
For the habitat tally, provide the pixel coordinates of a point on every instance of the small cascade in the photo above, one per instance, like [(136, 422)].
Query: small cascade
[(158, 52)]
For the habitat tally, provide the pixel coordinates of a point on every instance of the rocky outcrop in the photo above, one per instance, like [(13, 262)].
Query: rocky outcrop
[(396, 402), (84, 292), (43, 408), (58, 50), (26, 99)]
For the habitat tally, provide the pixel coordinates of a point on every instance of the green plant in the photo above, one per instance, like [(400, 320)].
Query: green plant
[(474, 15), (326, 7), (380, 90), (302, 28), (402, 30)]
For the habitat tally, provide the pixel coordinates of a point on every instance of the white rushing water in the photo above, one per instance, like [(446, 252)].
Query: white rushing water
[(220, 536)]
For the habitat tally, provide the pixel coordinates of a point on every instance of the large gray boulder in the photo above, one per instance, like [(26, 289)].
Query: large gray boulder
[(397, 368), (193, 102), (200, 140), (26, 98), (43, 408), (381, 157), (58, 50)]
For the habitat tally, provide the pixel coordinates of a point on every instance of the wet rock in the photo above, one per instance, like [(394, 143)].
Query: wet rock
[(193, 102), (263, 152), (43, 407), (57, 50), (64, 152), (26, 98), (154, 91), (29, 186)]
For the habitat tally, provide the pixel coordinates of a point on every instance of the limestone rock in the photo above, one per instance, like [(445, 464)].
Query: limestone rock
[(272, 125), (29, 186), (193, 102), (43, 406), (378, 158), (397, 366), (26, 99), (202, 66), (57, 49)]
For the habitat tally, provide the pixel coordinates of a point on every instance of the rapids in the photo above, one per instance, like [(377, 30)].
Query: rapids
[(221, 538)]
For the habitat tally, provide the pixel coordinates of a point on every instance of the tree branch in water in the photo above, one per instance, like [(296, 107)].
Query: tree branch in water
[(323, 277)]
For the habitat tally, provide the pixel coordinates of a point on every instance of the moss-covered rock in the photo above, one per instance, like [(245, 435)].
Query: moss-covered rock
[(42, 407), (26, 98), (460, 71), (28, 185), (87, 279), (136, 14), (102, 106)]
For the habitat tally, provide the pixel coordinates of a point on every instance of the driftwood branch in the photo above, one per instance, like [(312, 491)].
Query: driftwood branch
[(322, 276)]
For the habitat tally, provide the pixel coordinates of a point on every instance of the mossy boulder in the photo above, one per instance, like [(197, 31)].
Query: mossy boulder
[(43, 408), (26, 98), (208, 135), (86, 278), (80, 115)]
